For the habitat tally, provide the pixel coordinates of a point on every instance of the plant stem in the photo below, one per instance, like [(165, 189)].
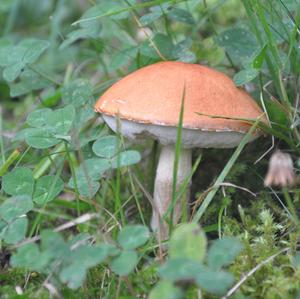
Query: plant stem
[(45, 163), (10, 160), (291, 206), (1, 138), (74, 176), (47, 77)]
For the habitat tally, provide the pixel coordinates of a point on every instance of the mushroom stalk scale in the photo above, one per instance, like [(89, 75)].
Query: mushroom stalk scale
[(163, 187)]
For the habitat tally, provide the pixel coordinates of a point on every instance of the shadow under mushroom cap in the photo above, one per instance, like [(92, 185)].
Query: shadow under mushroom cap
[(191, 138)]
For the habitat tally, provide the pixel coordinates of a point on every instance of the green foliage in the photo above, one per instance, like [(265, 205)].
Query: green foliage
[(71, 260), (14, 230), (185, 264), (28, 81), (13, 220), (188, 241), (15, 207), (18, 182), (106, 147), (48, 127), (181, 15), (126, 158), (252, 67), (296, 260), (109, 146), (166, 289), (61, 166), (125, 262), (133, 236), (21, 182), (223, 252), (88, 175), (239, 43), (260, 236), (91, 170), (47, 188), (15, 58), (30, 257), (216, 282), (180, 269), (129, 238), (79, 93), (245, 76), (79, 261)]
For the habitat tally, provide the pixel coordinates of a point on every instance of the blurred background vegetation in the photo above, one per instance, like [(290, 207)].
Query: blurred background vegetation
[(63, 54)]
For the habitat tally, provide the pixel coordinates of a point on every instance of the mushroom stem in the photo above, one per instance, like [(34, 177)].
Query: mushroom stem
[(163, 187)]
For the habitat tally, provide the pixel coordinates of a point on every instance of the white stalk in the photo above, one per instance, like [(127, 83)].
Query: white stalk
[(163, 187)]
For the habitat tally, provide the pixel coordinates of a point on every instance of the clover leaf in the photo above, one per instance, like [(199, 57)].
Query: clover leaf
[(48, 127), (14, 58)]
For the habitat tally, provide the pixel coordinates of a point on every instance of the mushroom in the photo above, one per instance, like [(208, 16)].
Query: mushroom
[(147, 103)]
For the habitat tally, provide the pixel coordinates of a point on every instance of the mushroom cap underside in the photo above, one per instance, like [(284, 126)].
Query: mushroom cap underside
[(167, 135)]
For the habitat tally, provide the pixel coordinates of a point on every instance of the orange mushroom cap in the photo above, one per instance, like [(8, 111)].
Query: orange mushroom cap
[(153, 95)]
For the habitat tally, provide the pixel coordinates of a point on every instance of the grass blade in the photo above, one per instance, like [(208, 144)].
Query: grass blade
[(129, 8), (177, 157), (224, 173)]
